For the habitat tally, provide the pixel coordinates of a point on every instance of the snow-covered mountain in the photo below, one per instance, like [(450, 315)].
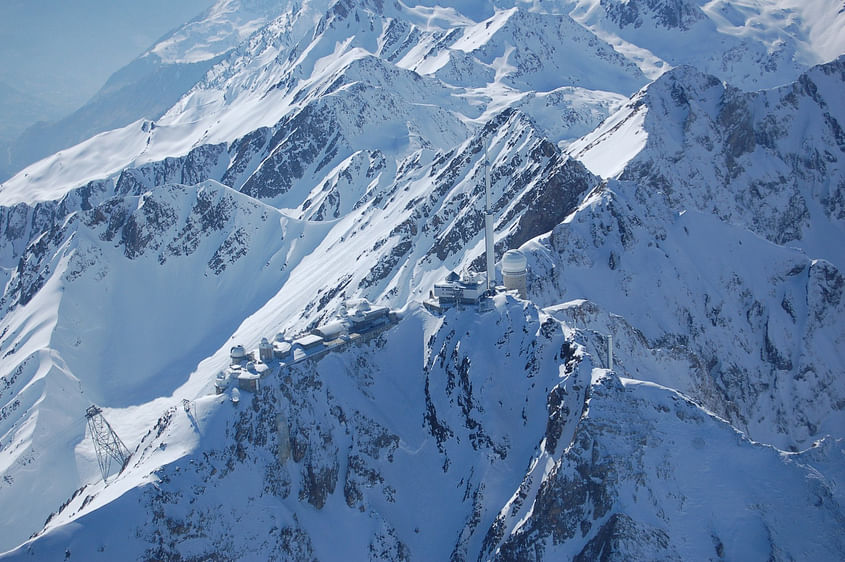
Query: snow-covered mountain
[(148, 86), (337, 153), (751, 44)]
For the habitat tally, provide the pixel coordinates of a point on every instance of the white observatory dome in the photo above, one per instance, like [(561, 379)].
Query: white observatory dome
[(515, 272), (514, 261), (238, 352)]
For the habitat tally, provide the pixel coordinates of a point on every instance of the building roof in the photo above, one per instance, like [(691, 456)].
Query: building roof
[(308, 340), (455, 281), (331, 330)]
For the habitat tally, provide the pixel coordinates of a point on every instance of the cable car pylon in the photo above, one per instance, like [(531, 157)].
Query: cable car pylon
[(107, 444)]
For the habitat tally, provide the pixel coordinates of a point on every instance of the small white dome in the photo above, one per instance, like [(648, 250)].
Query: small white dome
[(238, 352), (514, 261)]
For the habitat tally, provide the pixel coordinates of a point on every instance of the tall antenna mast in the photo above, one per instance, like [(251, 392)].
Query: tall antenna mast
[(488, 223), (107, 444)]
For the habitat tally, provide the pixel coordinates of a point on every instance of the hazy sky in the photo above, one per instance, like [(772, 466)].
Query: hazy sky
[(64, 50)]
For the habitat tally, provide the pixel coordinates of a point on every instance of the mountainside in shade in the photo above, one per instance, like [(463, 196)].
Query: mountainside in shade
[(20, 110), (338, 153)]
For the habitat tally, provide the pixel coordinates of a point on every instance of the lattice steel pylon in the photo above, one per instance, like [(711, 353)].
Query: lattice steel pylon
[(107, 444)]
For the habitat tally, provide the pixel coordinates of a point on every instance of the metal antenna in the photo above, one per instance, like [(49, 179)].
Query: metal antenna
[(488, 222), (107, 444)]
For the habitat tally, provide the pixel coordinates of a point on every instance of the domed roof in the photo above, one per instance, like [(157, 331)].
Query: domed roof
[(514, 261), (238, 352), (264, 342)]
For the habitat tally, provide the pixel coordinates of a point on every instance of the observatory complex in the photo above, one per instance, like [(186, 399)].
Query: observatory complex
[(472, 288), (358, 321)]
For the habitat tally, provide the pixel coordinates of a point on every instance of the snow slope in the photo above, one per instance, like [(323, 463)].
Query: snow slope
[(264, 85), (751, 44), (71, 337)]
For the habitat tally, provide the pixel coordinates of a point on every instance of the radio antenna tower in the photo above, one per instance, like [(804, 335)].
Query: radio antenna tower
[(107, 444), (488, 222)]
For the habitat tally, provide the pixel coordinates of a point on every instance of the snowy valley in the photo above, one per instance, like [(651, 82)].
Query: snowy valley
[(674, 173)]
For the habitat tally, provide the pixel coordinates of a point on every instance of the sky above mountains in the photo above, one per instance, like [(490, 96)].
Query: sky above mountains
[(62, 52)]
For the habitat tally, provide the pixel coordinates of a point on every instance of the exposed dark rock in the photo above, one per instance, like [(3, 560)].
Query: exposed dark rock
[(233, 248), (557, 194), (622, 539), (308, 139), (671, 14)]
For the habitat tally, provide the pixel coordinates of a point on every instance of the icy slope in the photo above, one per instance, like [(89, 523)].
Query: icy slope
[(424, 444), (145, 88), (226, 24)]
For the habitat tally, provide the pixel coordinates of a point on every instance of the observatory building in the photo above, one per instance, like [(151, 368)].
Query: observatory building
[(515, 272), (238, 355), (473, 288), (265, 351), (358, 321), (456, 289)]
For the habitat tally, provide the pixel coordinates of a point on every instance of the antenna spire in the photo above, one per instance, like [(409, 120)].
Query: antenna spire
[(488, 222)]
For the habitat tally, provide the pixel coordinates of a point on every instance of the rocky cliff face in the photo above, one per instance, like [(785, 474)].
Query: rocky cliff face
[(716, 137)]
